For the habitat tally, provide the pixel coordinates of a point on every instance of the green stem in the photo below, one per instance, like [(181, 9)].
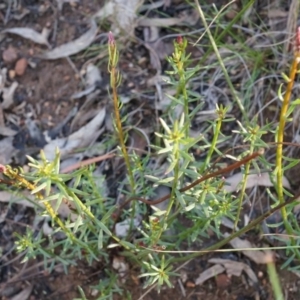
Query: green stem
[(173, 193), (227, 28), (114, 81), (275, 282), (182, 90), (242, 231), (243, 189), (120, 128), (227, 78), (213, 145)]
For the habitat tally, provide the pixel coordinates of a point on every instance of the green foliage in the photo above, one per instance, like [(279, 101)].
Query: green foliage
[(88, 233)]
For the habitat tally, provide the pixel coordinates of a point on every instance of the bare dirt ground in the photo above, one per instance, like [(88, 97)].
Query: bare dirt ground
[(43, 100)]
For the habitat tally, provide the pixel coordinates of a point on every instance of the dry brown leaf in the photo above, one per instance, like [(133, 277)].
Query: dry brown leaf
[(24, 294), (27, 199), (159, 79), (123, 15), (8, 95), (105, 11), (7, 197), (150, 35), (228, 223), (79, 139), (291, 27), (190, 18), (86, 111), (28, 34), (7, 92), (122, 228), (7, 150), (158, 49), (92, 78), (296, 208), (159, 22), (258, 256), (6, 131), (235, 268), (159, 192), (139, 140), (263, 179), (209, 273), (73, 47), (276, 13)]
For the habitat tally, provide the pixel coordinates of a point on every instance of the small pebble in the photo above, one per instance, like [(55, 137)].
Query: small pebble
[(12, 74), (190, 284), (10, 55), (232, 12), (21, 66), (222, 281)]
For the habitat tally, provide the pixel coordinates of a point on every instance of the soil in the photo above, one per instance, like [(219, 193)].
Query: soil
[(44, 95)]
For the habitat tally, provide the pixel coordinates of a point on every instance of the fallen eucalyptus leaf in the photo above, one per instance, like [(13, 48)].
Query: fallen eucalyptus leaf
[(160, 192), (92, 78), (105, 11), (259, 257), (79, 139), (29, 34), (263, 179), (7, 92), (122, 228), (24, 294), (27, 199), (123, 15), (73, 47), (209, 273), (8, 95), (7, 150), (159, 22), (235, 268), (6, 131)]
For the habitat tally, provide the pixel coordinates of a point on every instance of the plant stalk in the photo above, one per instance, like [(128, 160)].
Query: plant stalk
[(280, 136)]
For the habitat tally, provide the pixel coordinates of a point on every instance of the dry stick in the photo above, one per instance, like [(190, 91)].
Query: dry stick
[(111, 154), (18, 277), (280, 135), (87, 162)]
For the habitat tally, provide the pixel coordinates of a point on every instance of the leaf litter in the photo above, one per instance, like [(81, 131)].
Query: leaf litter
[(234, 181), (73, 47), (258, 256), (122, 14), (29, 34), (79, 139), (92, 79), (253, 179), (7, 92)]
